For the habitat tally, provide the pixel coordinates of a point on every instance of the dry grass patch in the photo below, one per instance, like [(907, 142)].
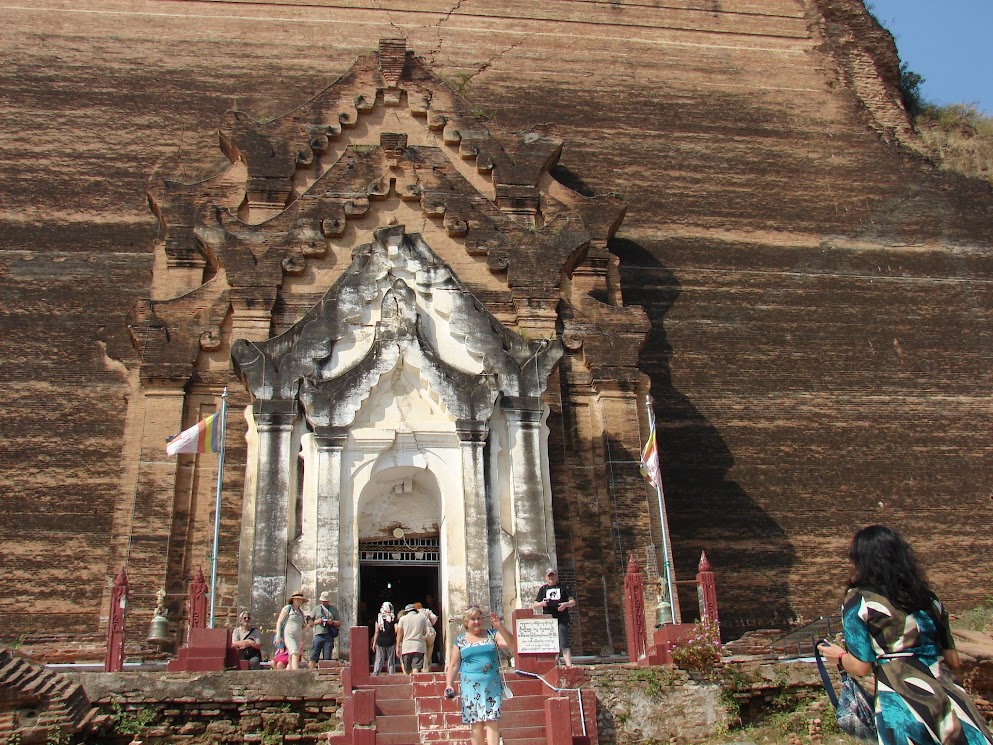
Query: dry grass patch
[(958, 138)]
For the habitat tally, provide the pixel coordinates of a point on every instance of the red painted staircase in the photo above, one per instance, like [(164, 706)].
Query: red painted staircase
[(402, 710)]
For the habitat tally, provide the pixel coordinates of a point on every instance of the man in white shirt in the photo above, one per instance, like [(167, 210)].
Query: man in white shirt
[(411, 629)]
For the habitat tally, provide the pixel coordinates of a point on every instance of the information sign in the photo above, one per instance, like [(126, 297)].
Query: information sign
[(537, 636)]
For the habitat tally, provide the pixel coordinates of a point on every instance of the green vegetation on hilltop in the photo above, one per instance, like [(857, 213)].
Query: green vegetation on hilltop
[(958, 138)]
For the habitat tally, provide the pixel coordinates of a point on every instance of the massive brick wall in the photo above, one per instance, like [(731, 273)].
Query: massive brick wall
[(819, 295)]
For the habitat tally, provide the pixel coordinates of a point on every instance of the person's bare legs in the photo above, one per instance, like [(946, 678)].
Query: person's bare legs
[(493, 733), (476, 734), (295, 661), (567, 656)]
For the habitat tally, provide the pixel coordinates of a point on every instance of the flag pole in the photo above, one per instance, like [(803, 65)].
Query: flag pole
[(662, 517), (217, 506)]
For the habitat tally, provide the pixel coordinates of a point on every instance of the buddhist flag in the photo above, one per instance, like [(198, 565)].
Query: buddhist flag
[(203, 436), (650, 461)]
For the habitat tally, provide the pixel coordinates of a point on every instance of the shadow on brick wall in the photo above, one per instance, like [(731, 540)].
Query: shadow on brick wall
[(750, 552)]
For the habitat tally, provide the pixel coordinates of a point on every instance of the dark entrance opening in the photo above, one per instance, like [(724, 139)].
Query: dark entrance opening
[(399, 584)]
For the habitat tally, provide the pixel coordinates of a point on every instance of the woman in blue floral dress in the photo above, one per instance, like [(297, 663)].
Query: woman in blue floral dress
[(896, 626), (474, 656)]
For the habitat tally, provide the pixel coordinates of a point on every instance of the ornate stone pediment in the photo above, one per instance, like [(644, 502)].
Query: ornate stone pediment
[(396, 303), (387, 143)]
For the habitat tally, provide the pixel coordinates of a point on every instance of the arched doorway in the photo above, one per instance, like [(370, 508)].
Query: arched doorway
[(399, 547)]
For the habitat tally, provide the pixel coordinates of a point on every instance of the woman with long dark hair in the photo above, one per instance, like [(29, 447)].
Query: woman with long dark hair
[(896, 626)]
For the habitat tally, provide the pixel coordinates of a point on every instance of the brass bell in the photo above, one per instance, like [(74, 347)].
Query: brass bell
[(663, 610), (158, 630), (663, 613)]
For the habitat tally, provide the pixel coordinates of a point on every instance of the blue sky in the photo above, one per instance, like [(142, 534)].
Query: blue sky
[(947, 42)]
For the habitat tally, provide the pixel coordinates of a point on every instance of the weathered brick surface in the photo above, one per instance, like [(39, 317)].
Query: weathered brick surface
[(819, 296), (39, 704), (221, 707)]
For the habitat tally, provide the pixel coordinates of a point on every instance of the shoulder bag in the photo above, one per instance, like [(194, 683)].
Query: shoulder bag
[(853, 706)]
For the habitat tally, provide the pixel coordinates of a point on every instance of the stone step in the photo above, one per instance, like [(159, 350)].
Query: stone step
[(524, 703), (532, 718), (519, 687), (397, 738), (394, 706), (385, 679), (440, 719), (389, 691), (436, 703), (397, 724), (521, 733), (430, 677), (447, 737)]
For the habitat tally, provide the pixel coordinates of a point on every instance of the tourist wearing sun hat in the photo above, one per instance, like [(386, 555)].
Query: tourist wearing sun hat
[(289, 628), (326, 623)]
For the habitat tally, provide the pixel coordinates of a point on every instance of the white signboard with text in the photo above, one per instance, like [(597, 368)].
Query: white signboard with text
[(537, 636)]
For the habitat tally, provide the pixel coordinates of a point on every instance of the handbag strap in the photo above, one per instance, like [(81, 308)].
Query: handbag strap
[(825, 678)]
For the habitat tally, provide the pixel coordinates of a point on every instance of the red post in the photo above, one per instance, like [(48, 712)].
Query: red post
[(706, 590), (558, 721), (634, 610), (197, 601), (358, 653), (114, 660)]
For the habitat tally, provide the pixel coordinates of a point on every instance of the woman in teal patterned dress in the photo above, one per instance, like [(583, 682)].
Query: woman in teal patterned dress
[(474, 656), (896, 626)]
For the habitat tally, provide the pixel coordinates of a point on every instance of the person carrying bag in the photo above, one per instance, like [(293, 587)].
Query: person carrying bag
[(895, 627), (853, 707)]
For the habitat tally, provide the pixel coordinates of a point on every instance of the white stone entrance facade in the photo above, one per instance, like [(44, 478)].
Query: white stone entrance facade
[(424, 331), (398, 405)]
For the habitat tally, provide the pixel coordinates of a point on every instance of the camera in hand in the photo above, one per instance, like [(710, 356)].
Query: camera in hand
[(449, 692)]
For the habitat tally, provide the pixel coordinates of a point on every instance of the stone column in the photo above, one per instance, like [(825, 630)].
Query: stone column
[(274, 420), (533, 529), (478, 542), (330, 443)]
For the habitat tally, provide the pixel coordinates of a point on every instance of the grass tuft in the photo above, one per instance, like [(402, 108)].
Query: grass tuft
[(958, 138)]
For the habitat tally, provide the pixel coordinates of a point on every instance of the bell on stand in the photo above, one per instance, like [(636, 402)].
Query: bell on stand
[(663, 610), (158, 630)]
